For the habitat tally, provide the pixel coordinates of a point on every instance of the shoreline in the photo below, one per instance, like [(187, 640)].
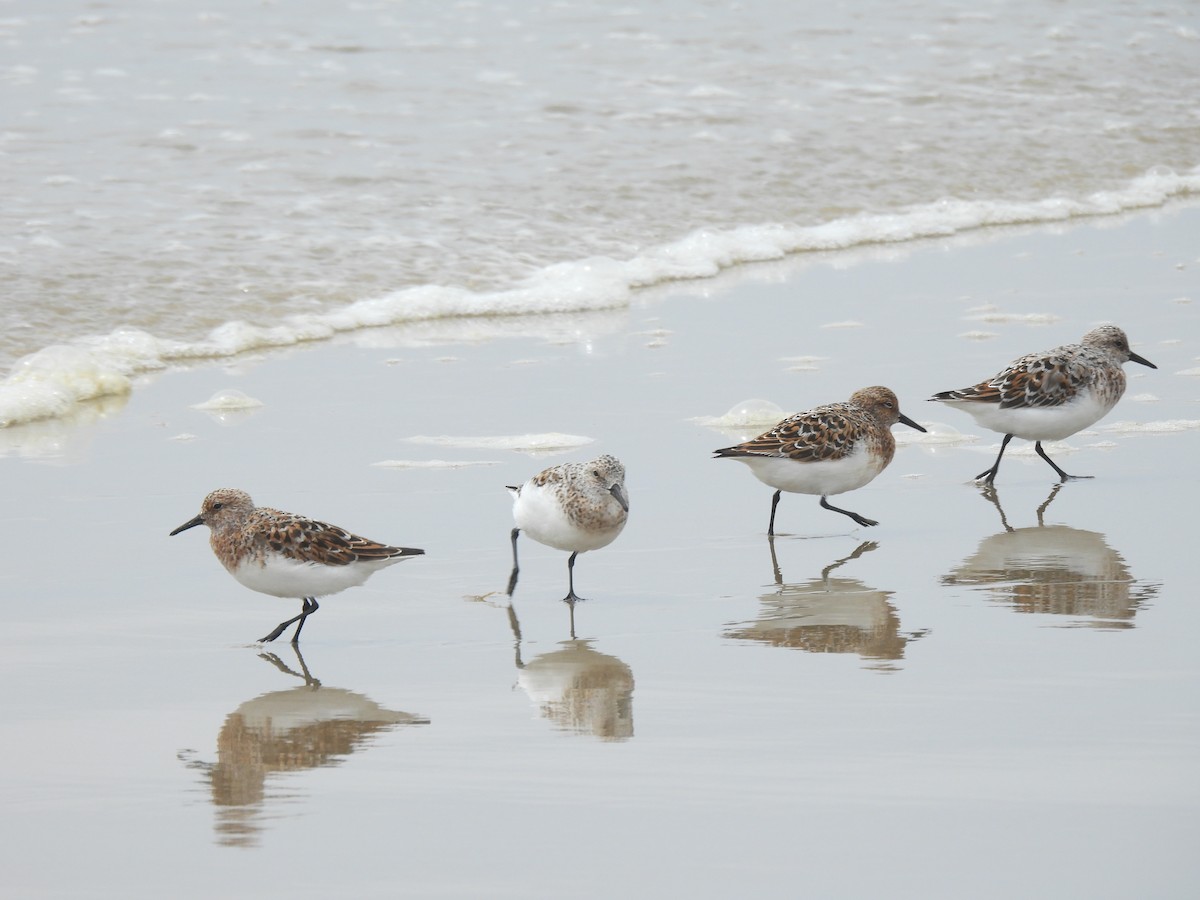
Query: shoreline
[(53, 381)]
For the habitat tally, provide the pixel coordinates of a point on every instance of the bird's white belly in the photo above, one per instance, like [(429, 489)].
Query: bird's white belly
[(1038, 424), (538, 514), (284, 577), (827, 477)]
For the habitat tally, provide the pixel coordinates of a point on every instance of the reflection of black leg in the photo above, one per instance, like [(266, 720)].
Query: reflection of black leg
[(989, 493), (774, 503), (515, 625), (991, 473), (571, 604), (1041, 510), (774, 560), (287, 670), (512, 579), (861, 520), (864, 547), (1062, 476), (308, 678), (571, 595), (309, 607)]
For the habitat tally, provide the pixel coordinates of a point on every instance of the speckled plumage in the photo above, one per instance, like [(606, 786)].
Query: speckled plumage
[(287, 555), (1050, 395), (827, 450), (577, 506)]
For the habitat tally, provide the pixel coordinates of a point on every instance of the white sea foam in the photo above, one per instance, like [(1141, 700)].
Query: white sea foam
[(433, 463), (535, 444), (998, 317), (53, 381), (1168, 426), (936, 434)]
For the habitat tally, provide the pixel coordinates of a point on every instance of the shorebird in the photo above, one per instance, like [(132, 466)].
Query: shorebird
[(576, 506), (286, 555), (1051, 395), (827, 450)]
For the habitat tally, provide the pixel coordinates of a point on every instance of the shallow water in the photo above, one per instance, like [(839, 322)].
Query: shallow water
[(899, 711)]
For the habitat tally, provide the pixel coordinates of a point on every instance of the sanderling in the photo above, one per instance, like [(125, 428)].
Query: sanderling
[(1050, 395), (576, 506), (828, 450), (286, 555)]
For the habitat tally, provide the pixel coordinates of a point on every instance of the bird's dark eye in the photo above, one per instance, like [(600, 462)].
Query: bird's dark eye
[(596, 472), (218, 505)]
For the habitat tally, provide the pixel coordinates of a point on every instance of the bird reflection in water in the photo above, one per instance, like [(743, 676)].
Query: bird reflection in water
[(576, 687), (1054, 569), (829, 615), (305, 727)]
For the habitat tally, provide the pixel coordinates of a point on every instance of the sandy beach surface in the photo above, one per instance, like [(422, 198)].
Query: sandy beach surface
[(984, 697)]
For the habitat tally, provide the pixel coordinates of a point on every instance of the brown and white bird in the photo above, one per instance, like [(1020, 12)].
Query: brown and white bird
[(1051, 395), (827, 450), (287, 555), (576, 506)]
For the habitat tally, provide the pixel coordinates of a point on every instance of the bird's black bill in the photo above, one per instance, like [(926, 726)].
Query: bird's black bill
[(621, 497), (191, 523), (1133, 357), (910, 423)]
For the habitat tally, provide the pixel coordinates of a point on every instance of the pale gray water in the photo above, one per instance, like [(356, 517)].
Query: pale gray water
[(966, 710), (174, 166)]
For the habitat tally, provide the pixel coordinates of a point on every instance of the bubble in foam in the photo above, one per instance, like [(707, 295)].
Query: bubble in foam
[(226, 400), (752, 413)]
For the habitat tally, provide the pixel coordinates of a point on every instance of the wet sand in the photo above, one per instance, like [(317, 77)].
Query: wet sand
[(982, 695)]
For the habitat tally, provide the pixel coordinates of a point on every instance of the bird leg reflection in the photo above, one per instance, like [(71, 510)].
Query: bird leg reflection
[(304, 673), (988, 491), (515, 625), (864, 547), (1041, 510), (774, 559)]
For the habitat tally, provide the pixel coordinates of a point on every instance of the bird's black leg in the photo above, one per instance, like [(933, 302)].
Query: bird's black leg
[(309, 607), (861, 520), (1062, 476), (512, 579), (774, 503), (991, 473), (571, 595)]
